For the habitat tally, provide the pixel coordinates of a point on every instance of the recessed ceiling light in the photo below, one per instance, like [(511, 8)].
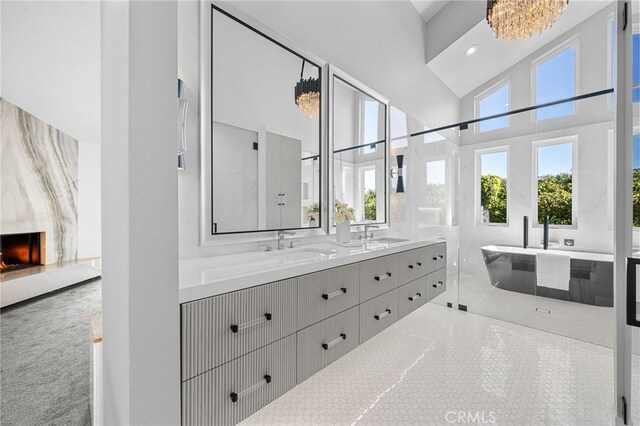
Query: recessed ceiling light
[(471, 50)]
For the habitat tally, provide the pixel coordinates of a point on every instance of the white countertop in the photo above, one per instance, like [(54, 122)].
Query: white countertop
[(582, 255), (209, 276)]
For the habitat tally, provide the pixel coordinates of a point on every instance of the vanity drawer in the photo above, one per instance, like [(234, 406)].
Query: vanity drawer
[(436, 283), (252, 381), (411, 296), (218, 329), (412, 265), (378, 276), (327, 293), (378, 314), (326, 341), (436, 257)]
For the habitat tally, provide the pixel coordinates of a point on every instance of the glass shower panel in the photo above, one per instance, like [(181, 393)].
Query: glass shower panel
[(560, 169), (428, 208)]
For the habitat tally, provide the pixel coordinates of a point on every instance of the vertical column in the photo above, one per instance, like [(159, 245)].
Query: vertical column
[(140, 212)]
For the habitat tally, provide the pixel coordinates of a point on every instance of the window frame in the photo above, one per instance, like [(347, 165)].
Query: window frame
[(478, 181), (484, 94), (573, 41), (575, 177)]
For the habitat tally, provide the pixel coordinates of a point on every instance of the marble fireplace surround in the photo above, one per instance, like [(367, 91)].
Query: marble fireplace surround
[(39, 188), (39, 193)]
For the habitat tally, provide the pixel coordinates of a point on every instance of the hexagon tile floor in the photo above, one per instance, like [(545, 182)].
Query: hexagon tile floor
[(443, 366)]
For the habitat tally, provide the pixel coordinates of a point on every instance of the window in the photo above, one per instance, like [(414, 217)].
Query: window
[(493, 169), (435, 203), (496, 101), (368, 193), (555, 79), (555, 189)]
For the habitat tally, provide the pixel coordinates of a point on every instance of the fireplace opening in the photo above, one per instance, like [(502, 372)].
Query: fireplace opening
[(20, 251)]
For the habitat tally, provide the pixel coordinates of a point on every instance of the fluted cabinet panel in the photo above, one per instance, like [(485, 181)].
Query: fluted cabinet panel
[(326, 341), (412, 265), (411, 296), (378, 276), (327, 293), (437, 257), (232, 392), (219, 329), (378, 314), (436, 283)]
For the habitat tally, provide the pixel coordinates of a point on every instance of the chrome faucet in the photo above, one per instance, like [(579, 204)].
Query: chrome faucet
[(368, 234), (281, 235)]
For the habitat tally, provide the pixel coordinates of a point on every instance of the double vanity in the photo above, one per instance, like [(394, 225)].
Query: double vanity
[(250, 336), (254, 325)]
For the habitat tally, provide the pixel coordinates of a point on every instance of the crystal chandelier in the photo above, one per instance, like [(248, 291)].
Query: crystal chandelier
[(519, 19), (307, 95)]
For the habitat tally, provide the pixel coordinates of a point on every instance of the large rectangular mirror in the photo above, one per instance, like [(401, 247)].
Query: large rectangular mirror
[(359, 142), (265, 164)]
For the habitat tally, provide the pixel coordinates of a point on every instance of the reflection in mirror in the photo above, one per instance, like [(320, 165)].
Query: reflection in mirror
[(359, 152), (265, 148)]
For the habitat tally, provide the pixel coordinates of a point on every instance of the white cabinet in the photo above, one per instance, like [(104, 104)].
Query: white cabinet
[(282, 182)]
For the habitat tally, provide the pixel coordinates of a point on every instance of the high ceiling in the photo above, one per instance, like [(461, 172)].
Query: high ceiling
[(428, 8), (494, 56)]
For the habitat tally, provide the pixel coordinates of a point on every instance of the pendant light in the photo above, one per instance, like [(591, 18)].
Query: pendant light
[(307, 95), (520, 19)]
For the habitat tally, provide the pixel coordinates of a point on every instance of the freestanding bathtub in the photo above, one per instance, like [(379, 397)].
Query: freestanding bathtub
[(514, 269)]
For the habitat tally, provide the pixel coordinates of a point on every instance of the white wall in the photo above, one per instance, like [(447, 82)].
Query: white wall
[(379, 43), (51, 63), (89, 205), (141, 322)]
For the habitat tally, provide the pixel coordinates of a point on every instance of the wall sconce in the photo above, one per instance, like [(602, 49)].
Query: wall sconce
[(396, 172), (183, 110)]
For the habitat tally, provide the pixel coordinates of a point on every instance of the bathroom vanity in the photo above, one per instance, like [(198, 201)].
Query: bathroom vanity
[(249, 337)]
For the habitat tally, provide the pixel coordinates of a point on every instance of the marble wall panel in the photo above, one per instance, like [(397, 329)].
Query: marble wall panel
[(39, 181)]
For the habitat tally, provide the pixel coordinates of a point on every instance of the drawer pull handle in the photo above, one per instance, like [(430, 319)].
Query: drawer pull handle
[(334, 342), (417, 296), (235, 327), (417, 265), (236, 396), (382, 315), (336, 293), (439, 283), (438, 257), (383, 276)]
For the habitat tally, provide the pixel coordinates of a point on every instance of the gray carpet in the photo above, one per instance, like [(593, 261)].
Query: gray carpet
[(45, 357)]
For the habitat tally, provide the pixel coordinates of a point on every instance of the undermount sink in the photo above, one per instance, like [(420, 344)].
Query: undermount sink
[(389, 240), (301, 254)]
